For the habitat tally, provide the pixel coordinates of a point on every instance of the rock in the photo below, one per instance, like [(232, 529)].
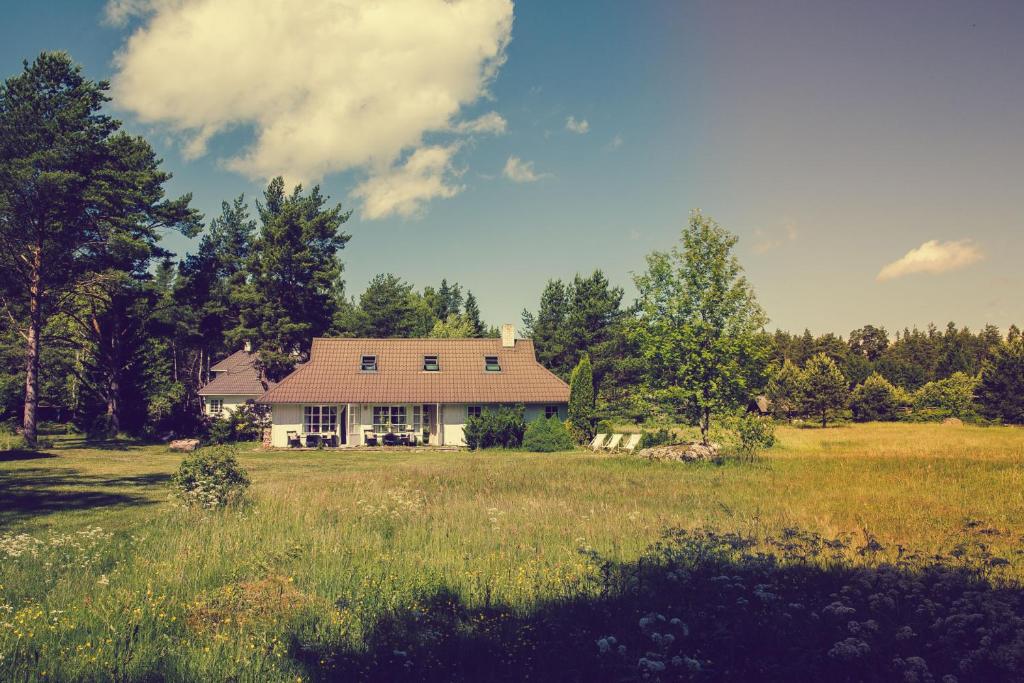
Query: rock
[(687, 452), (186, 445), (952, 421)]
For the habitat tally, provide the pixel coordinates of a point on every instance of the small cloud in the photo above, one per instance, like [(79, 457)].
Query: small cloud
[(933, 257), (491, 122), (519, 171), (580, 127), (615, 143), (768, 241), (403, 189)]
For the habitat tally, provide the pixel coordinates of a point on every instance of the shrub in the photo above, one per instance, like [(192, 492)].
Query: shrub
[(581, 400), (754, 434), (659, 437), (496, 428), (875, 399), (952, 396), (211, 478), (244, 424), (545, 435), (605, 427)]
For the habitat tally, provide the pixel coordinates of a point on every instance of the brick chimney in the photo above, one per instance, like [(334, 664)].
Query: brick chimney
[(508, 335)]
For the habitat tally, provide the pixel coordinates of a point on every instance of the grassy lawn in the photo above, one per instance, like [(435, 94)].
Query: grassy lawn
[(101, 577)]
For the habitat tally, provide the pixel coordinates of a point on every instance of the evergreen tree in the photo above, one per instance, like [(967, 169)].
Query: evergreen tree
[(472, 315), (581, 400), (1001, 389), (389, 308), (547, 328), (825, 388), (786, 390), (293, 277), (73, 191), (874, 399), (697, 319)]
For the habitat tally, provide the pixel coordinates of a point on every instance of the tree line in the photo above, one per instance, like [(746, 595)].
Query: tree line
[(119, 334)]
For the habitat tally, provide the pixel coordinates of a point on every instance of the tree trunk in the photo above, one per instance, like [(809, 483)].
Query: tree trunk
[(35, 324), (705, 426), (114, 406), (823, 419)]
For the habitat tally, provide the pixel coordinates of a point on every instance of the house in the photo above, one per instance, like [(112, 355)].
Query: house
[(352, 390), (236, 381)]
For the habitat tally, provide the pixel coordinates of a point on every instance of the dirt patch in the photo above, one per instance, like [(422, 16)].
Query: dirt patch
[(266, 601)]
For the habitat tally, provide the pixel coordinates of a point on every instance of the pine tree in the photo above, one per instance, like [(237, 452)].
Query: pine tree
[(581, 400), (825, 387), (472, 316), (293, 277), (1001, 389), (786, 390)]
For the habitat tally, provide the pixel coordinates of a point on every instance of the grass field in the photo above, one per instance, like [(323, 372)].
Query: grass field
[(101, 577)]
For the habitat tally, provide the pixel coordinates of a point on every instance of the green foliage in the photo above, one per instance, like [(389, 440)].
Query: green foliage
[(210, 478), (501, 427), (293, 277), (581, 400), (547, 435), (472, 315), (875, 399), (1001, 388), (697, 325), (786, 390), (825, 387), (246, 423), (952, 396), (754, 433), (454, 326), (659, 437)]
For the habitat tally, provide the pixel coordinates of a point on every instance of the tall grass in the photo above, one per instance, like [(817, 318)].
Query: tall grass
[(102, 577)]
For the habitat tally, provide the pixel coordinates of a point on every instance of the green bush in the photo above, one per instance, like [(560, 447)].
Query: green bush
[(210, 479), (244, 424), (952, 396), (545, 435), (496, 428), (659, 437), (875, 399), (754, 434)]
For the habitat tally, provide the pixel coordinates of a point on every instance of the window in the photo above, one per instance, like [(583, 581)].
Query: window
[(473, 411), (430, 364), (550, 411), (396, 419), (216, 406), (319, 419), (491, 364), (369, 364)]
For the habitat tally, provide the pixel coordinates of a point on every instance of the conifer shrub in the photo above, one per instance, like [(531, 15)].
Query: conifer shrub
[(545, 435)]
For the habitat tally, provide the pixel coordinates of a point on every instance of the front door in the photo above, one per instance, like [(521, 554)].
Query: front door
[(430, 421)]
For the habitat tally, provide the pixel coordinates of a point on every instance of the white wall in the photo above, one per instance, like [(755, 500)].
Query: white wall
[(231, 403)]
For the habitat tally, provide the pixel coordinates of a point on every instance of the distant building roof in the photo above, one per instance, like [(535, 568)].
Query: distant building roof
[(236, 375), (334, 373)]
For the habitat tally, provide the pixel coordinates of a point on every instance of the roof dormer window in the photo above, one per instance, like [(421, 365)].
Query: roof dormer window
[(431, 364), (491, 364), (368, 364)]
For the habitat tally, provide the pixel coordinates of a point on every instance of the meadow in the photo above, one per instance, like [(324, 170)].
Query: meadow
[(457, 565)]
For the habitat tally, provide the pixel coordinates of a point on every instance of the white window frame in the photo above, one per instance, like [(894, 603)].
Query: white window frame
[(436, 365), (394, 418), (319, 419), (216, 406), (371, 366)]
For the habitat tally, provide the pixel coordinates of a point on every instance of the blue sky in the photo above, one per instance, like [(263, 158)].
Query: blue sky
[(836, 140)]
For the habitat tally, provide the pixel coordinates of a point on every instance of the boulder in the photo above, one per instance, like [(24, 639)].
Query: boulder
[(686, 452), (185, 445)]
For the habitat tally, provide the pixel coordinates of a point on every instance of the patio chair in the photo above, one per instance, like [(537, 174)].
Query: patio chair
[(312, 440), (293, 440), (391, 439), (613, 442), (331, 440), (598, 442), (632, 441), (370, 437)]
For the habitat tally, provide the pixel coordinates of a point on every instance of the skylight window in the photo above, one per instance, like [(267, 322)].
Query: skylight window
[(431, 364), (491, 364), (368, 364)]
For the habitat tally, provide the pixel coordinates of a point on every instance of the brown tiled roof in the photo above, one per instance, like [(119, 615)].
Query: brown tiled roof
[(333, 374), (236, 376)]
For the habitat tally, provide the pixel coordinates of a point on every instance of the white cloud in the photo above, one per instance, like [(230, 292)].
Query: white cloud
[(770, 241), (404, 188), (581, 127), (491, 122), (615, 142), (933, 257), (519, 171), (326, 85)]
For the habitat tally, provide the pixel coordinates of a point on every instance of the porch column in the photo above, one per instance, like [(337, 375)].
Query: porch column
[(440, 424)]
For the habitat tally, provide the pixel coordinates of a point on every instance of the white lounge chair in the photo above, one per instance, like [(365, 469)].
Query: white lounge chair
[(632, 441), (613, 442), (598, 442)]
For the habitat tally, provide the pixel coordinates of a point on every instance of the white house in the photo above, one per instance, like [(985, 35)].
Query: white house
[(353, 392), (236, 381)]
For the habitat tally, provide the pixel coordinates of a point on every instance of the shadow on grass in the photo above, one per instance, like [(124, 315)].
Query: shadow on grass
[(35, 491), (702, 606), (19, 454)]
